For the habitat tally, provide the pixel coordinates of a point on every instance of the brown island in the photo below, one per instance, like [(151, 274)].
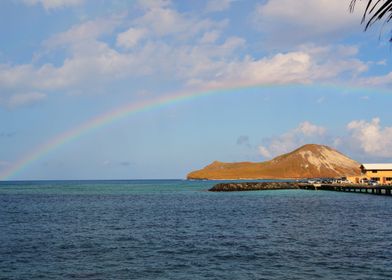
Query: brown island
[(300, 168), (308, 161)]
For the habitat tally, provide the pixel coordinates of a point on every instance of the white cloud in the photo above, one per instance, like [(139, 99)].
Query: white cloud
[(306, 20), (305, 133), (54, 4), (210, 37), (25, 99), (161, 42), (218, 5), (84, 32), (130, 38), (374, 81), (382, 62), (162, 20), (92, 61), (264, 151), (309, 129), (371, 137), (289, 67), (206, 65), (308, 64), (154, 4)]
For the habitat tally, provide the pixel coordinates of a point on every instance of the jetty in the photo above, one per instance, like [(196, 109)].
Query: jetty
[(353, 188), (257, 186), (253, 186)]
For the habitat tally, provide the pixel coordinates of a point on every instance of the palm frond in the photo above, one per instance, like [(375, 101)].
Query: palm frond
[(375, 11)]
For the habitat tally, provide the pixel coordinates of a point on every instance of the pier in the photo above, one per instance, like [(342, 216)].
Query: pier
[(364, 189), (257, 186)]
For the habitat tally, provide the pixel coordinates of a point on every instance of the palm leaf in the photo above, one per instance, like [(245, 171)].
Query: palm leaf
[(375, 11)]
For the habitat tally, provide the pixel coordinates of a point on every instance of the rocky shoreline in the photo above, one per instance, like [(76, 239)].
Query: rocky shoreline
[(254, 186)]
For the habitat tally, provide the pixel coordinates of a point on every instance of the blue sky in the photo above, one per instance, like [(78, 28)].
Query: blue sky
[(305, 72)]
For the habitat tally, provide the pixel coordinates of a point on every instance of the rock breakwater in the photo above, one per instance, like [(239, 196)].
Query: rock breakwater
[(254, 186)]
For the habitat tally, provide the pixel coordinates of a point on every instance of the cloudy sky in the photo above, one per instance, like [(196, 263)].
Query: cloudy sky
[(277, 73)]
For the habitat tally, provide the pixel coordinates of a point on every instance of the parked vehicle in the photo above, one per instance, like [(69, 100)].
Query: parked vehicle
[(372, 183), (364, 181)]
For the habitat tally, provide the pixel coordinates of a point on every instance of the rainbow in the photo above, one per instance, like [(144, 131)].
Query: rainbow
[(120, 113), (107, 118)]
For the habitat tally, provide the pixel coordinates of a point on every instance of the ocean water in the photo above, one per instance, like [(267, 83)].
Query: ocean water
[(178, 230)]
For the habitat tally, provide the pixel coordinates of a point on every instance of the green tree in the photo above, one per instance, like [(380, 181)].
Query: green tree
[(375, 10)]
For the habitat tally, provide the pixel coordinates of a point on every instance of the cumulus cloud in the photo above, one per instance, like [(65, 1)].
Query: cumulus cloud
[(218, 5), (90, 63), (306, 65), (371, 137), (87, 64), (210, 37), (309, 129), (162, 20), (292, 67), (130, 38), (306, 132), (54, 4), (93, 61), (84, 32), (382, 62), (189, 50), (380, 80), (301, 20), (154, 4), (265, 152)]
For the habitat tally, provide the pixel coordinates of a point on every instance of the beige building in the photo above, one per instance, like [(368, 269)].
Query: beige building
[(380, 172)]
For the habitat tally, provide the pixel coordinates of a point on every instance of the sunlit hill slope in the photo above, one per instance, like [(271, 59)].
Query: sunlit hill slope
[(308, 161)]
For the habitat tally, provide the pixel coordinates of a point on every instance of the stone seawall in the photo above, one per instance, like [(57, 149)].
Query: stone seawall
[(254, 186)]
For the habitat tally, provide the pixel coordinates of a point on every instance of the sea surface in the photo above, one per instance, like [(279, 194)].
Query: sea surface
[(173, 229)]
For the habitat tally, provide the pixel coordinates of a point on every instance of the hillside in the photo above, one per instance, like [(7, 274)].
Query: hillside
[(308, 161)]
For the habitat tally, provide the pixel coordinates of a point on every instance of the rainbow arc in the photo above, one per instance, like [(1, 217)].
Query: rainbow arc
[(123, 112)]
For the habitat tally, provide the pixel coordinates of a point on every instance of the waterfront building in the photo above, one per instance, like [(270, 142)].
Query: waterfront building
[(379, 172)]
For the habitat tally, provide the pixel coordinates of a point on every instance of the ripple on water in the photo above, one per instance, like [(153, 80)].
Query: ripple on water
[(176, 230)]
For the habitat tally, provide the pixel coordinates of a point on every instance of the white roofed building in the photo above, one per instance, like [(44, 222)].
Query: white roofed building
[(380, 172)]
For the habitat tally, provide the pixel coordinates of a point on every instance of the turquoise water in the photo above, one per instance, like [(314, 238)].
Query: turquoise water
[(177, 230)]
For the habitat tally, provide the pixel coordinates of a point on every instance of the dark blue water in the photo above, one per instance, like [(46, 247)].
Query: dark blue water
[(178, 230)]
